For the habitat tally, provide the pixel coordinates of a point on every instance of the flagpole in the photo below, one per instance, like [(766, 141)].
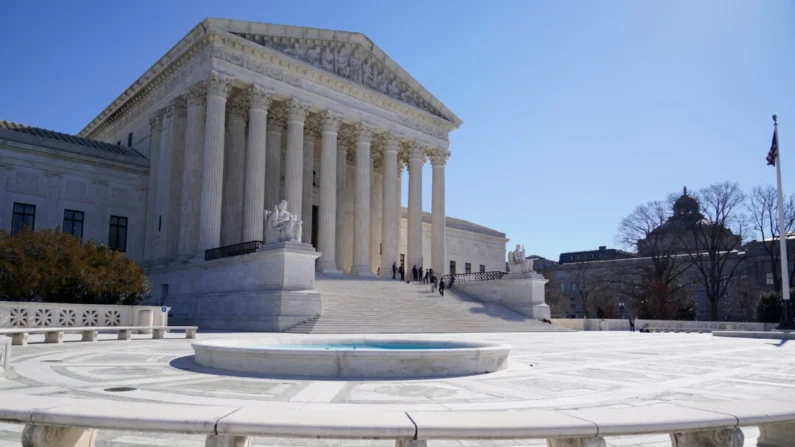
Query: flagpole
[(786, 309)]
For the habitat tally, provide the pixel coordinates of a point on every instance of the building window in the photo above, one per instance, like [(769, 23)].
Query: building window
[(452, 267), (117, 236), (73, 223), (768, 276), (482, 268), (572, 287), (24, 215), (129, 139), (467, 267), (573, 306), (562, 286)]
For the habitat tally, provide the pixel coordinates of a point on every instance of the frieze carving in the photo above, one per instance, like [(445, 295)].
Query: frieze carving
[(259, 98), (348, 60), (330, 120)]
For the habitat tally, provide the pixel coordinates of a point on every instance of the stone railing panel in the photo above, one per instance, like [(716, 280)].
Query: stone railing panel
[(612, 324), (14, 314)]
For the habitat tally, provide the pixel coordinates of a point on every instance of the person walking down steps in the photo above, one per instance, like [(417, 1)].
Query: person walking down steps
[(441, 287), (433, 283)]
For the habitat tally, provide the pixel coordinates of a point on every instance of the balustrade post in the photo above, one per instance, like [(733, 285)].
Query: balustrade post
[(227, 441), (721, 437), (595, 441), (52, 436)]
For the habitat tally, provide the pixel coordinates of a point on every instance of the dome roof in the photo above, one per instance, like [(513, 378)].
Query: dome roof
[(686, 205)]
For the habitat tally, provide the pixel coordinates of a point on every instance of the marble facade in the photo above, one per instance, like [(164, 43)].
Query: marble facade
[(242, 114)]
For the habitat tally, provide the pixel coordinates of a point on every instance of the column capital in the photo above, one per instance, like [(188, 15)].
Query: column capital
[(350, 156), (363, 131), (180, 105), (218, 84), (259, 97), (277, 118), (297, 110), (392, 141), (156, 120), (416, 150), (197, 94), (312, 127), (238, 107), (330, 120), (438, 157), (378, 159)]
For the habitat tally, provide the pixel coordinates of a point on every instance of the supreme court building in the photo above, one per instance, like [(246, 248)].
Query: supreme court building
[(232, 119), (239, 115)]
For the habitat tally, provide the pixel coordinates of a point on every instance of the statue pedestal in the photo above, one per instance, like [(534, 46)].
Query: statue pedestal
[(269, 290), (520, 292)]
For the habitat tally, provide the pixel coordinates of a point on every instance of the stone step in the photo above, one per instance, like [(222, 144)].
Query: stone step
[(352, 306)]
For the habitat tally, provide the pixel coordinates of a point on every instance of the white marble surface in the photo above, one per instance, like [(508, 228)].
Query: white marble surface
[(571, 372)]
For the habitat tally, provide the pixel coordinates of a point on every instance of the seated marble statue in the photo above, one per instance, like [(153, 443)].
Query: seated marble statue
[(517, 261), (281, 225)]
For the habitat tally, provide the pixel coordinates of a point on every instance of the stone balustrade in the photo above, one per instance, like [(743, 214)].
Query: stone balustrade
[(19, 336), (64, 422), (28, 315), (595, 324)]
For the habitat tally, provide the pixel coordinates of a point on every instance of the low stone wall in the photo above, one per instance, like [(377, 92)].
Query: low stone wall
[(522, 293), (595, 324), (17, 314), (5, 354)]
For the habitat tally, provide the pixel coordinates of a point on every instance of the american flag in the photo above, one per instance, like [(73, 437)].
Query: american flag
[(773, 154)]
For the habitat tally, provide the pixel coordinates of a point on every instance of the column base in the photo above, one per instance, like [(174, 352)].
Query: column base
[(362, 270), (328, 268)]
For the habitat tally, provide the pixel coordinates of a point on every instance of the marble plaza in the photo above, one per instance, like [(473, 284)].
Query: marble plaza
[(553, 371)]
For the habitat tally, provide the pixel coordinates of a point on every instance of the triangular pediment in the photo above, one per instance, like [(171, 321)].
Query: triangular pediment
[(349, 55)]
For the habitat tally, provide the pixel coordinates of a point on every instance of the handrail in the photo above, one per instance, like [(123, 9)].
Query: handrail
[(682, 420), (227, 251), (472, 277)]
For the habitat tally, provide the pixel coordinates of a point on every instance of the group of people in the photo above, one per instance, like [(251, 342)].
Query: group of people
[(417, 274)]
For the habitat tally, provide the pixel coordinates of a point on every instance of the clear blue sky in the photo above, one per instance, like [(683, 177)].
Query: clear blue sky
[(574, 112)]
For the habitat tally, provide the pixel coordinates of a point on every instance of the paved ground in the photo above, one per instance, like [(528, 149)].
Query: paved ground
[(547, 370)]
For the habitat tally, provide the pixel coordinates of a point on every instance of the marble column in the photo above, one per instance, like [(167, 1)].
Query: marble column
[(191, 179), (277, 120), (311, 130), (213, 162), (342, 187), (294, 158), (350, 196), (173, 212), (327, 212), (361, 209), (155, 129), (398, 200), (256, 149), (390, 208), (414, 232), (376, 203), (438, 161), (234, 171), (160, 241)]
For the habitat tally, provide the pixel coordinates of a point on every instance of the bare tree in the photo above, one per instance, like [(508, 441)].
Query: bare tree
[(554, 295), (762, 208), (586, 283), (651, 284), (712, 244)]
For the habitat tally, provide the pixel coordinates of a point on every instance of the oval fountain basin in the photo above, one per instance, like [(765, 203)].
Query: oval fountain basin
[(355, 358)]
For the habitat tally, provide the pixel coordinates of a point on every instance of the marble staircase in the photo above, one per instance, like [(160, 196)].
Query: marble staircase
[(379, 306)]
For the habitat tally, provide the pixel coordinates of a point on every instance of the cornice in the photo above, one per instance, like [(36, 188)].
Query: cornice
[(140, 167)]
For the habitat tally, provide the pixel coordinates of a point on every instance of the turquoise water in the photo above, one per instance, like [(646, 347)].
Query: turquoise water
[(355, 347)]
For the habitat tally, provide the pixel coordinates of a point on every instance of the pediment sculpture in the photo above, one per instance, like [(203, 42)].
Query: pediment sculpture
[(517, 262), (281, 225)]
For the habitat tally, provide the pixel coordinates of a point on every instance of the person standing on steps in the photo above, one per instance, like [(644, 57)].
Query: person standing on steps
[(419, 276), (433, 283), (631, 324), (414, 272), (402, 272), (394, 270), (441, 287)]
